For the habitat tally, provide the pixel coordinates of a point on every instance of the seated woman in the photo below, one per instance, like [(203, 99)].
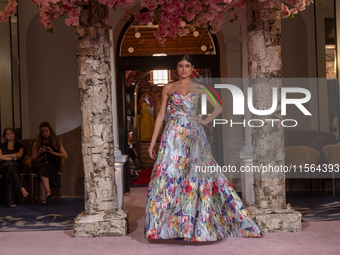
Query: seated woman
[(45, 150), (11, 153)]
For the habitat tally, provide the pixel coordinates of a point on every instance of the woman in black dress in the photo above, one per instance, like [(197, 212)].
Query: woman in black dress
[(45, 149), (11, 154)]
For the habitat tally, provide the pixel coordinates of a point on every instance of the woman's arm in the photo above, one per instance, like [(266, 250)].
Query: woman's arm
[(159, 120), (61, 154), (161, 114), (18, 154), (4, 157), (36, 153), (217, 110)]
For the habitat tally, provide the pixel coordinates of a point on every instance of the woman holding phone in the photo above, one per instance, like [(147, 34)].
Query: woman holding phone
[(45, 149)]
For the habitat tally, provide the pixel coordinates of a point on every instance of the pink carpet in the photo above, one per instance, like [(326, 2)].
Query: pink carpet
[(316, 238)]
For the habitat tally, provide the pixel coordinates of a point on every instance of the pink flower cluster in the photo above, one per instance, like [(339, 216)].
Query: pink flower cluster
[(298, 5), (52, 9), (174, 17), (180, 17), (9, 10)]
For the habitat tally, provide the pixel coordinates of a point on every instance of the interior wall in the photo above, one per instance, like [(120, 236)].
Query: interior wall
[(299, 63), (233, 42), (52, 85), (27, 12), (323, 11), (5, 76)]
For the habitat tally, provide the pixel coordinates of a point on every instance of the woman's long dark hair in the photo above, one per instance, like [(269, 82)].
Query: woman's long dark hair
[(52, 138), (5, 131), (185, 57)]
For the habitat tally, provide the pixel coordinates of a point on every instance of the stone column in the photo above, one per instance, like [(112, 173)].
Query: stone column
[(102, 216), (265, 61)]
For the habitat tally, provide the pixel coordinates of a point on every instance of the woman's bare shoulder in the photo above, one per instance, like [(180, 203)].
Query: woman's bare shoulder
[(169, 87), (198, 88)]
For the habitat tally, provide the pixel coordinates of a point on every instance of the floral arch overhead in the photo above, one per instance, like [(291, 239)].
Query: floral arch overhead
[(174, 17)]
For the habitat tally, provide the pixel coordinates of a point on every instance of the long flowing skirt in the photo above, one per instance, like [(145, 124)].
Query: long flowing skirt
[(184, 200)]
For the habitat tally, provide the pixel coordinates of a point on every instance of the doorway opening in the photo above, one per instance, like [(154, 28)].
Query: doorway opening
[(143, 67)]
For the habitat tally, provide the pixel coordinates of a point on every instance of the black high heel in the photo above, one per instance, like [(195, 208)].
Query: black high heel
[(42, 202), (49, 196)]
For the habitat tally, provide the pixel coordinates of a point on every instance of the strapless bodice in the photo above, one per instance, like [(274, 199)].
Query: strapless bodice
[(183, 105)]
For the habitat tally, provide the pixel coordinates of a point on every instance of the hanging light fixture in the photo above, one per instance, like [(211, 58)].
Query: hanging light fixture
[(131, 50), (159, 54), (160, 77), (137, 35)]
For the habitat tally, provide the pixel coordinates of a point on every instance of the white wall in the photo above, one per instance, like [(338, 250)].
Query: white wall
[(49, 74)]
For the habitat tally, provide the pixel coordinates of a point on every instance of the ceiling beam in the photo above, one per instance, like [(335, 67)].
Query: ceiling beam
[(178, 41)]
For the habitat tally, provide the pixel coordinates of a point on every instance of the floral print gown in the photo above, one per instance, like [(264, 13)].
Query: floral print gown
[(183, 202)]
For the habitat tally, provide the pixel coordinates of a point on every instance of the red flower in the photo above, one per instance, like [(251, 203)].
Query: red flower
[(153, 232), (207, 192), (215, 189), (185, 219)]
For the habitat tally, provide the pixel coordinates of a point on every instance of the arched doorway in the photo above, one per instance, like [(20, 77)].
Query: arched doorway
[(139, 52)]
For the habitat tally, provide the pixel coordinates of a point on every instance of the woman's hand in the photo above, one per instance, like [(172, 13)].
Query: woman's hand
[(151, 151), (199, 120), (50, 150)]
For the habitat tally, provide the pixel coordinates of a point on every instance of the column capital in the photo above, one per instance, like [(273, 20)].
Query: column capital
[(119, 157)]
